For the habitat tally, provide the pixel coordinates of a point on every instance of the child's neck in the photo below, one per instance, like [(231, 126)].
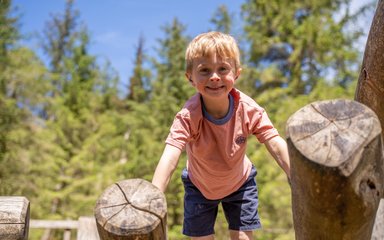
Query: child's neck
[(217, 108)]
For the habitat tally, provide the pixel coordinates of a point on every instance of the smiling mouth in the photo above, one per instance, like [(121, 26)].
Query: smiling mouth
[(215, 88)]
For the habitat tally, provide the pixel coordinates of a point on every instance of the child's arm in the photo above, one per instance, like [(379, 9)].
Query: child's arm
[(279, 150), (166, 166)]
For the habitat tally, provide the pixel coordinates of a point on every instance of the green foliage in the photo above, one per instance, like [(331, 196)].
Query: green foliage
[(66, 132), (59, 36), (222, 19), (139, 82), (170, 91), (295, 47), (8, 31), (170, 88), (275, 205)]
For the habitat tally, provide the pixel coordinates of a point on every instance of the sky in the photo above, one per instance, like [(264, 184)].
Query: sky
[(116, 25)]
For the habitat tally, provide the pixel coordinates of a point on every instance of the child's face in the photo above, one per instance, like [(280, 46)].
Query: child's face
[(213, 77)]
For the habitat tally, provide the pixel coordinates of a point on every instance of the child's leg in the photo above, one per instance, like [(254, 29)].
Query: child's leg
[(240, 235), (240, 209), (209, 237), (199, 213)]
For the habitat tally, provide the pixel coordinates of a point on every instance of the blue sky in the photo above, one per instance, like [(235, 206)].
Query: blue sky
[(116, 25)]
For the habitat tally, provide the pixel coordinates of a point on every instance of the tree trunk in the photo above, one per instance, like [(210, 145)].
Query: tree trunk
[(335, 149), (131, 209), (14, 218), (370, 88)]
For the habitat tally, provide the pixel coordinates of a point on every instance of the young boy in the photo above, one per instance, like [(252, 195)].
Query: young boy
[(213, 127)]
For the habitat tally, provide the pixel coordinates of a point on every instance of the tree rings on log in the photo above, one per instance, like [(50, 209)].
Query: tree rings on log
[(131, 209), (337, 170), (333, 133)]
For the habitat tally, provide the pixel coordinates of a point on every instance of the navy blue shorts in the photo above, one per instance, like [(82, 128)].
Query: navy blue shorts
[(240, 208)]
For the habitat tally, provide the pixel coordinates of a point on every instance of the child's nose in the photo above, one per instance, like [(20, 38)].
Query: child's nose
[(215, 77)]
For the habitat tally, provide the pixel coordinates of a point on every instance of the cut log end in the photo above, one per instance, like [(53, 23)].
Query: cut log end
[(336, 156), (333, 132), (134, 209)]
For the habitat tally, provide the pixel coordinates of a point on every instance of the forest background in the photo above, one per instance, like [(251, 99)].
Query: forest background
[(68, 130)]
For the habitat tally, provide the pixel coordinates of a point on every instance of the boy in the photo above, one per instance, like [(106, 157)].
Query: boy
[(213, 127)]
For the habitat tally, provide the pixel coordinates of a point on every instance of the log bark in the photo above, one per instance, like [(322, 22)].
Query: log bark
[(131, 209), (370, 88), (335, 149), (14, 218)]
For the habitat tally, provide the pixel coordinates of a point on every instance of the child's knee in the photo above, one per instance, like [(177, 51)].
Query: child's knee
[(240, 235)]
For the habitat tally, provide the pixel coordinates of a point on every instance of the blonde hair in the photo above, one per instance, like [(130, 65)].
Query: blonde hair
[(210, 43)]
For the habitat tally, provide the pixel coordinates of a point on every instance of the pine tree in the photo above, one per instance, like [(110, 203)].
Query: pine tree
[(302, 54), (21, 93), (293, 48), (77, 120), (171, 89), (9, 35), (170, 92), (222, 20), (139, 82), (58, 33)]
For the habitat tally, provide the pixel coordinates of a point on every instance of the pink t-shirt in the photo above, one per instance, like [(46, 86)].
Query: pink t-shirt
[(217, 164)]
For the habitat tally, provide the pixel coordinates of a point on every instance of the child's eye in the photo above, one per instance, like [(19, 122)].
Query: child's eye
[(224, 69), (204, 71)]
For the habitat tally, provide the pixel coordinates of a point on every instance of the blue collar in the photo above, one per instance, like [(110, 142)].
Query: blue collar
[(223, 120)]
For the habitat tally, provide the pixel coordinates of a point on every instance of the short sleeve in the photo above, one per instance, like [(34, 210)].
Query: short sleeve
[(263, 128), (180, 132)]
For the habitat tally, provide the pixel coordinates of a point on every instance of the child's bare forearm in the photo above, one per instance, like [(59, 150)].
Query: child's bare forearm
[(166, 166), (279, 150)]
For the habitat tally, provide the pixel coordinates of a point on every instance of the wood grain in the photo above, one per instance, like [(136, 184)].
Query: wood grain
[(131, 209), (14, 218), (337, 168)]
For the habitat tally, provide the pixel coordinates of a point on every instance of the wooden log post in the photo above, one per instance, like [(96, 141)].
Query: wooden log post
[(336, 155), (131, 209), (87, 229), (370, 88), (14, 218)]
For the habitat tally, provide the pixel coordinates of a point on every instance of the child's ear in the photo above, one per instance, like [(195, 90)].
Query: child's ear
[(188, 76), (238, 72)]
